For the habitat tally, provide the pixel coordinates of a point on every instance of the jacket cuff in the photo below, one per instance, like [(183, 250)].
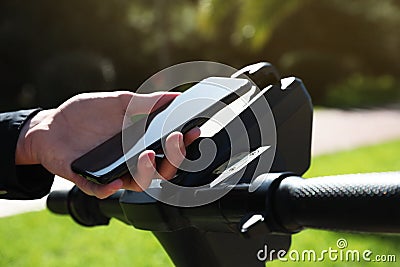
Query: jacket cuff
[(19, 181)]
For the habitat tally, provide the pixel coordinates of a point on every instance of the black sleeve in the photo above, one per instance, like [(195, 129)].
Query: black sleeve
[(19, 181)]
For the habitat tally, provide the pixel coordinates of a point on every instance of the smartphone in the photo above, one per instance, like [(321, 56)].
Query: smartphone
[(116, 156)]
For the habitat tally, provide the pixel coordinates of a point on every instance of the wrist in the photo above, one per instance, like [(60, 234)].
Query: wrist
[(28, 144)]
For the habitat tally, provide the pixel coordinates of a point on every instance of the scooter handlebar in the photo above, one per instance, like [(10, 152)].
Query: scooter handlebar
[(356, 202)]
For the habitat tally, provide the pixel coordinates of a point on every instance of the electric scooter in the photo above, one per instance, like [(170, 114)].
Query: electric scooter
[(263, 208)]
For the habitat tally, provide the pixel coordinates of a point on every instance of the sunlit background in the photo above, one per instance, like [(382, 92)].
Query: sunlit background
[(346, 52)]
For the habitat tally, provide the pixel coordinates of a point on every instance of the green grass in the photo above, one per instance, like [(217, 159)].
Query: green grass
[(43, 239), (378, 158), (381, 158)]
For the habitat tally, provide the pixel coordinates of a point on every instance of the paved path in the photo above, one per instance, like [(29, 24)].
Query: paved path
[(334, 130)]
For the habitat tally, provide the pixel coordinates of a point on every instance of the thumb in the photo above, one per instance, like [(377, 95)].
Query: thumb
[(147, 103)]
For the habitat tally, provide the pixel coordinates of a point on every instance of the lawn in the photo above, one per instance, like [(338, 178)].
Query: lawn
[(43, 239), (381, 158)]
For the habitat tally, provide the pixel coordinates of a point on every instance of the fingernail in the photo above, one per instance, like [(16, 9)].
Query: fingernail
[(180, 141), (182, 145), (149, 163)]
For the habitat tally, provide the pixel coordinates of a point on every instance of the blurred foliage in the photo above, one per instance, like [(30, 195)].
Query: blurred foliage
[(123, 42), (253, 21), (361, 91)]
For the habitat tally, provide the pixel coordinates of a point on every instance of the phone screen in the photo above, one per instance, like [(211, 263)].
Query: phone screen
[(111, 159)]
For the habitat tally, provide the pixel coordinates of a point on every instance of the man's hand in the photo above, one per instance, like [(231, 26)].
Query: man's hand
[(55, 138)]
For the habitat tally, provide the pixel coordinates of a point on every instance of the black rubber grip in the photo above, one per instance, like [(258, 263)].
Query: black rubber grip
[(57, 202), (357, 202)]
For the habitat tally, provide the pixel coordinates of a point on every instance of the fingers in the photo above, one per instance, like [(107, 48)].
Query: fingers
[(191, 135), (100, 191), (146, 167), (175, 153), (145, 172)]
